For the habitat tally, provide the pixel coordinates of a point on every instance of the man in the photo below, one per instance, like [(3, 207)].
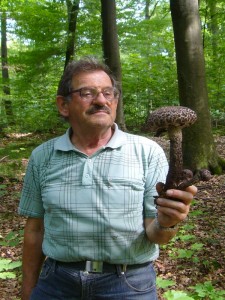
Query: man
[(92, 227)]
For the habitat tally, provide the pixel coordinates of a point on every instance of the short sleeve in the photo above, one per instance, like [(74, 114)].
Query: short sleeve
[(31, 201)]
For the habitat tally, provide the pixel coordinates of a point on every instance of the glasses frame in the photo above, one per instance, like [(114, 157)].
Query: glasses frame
[(115, 90)]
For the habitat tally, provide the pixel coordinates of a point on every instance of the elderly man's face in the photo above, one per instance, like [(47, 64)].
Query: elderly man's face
[(98, 112)]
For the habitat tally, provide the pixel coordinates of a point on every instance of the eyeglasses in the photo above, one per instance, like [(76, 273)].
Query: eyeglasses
[(89, 93)]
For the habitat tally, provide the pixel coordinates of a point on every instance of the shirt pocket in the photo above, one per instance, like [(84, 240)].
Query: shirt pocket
[(125, 183)]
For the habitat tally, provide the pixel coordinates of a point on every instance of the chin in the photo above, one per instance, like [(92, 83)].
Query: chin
[(101, 120), (102, 123)]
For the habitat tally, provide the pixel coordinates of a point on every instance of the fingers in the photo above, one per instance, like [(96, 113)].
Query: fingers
[(170, 216), (172, 211), (159, 187), (172, 207), (192, 189), (175, 205), (183, 196)]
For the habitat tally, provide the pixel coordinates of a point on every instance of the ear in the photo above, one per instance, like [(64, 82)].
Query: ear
[(63, 106)]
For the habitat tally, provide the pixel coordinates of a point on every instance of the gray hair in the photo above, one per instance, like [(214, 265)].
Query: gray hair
[(85, 64)]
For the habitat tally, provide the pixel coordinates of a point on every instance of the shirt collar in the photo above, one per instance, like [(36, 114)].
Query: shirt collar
[(119, 138)]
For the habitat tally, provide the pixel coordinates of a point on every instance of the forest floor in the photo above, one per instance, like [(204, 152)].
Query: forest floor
[(196, 257)]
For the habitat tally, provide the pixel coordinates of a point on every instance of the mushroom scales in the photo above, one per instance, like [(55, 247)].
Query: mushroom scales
[(171, 116), (173, 119)]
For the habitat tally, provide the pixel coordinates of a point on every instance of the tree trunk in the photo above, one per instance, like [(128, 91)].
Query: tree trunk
[(214, 28), (147, 5), (5, 72), (111, 49), (72, 10), (199, 150)]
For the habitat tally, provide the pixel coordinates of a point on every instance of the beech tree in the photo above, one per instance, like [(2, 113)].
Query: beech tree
[(72, 11), (110, 46), (38, 31), (5, 71), (199, 147)]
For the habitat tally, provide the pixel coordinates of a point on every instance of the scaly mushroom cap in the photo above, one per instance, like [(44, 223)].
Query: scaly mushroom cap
[(171, 116)]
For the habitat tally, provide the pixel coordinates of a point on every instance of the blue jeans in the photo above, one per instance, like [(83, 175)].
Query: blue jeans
[(57, 282)]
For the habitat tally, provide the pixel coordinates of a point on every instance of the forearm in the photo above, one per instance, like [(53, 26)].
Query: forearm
[(32, 259), (158, 235)]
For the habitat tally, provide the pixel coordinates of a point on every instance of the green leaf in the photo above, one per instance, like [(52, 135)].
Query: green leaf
[(197, 246), (164, 283), (187, 237), (8, 264), (196, 213), (7, 275), (182, 253), (176, 295), (4, 263), (3, 186), (15, 264)]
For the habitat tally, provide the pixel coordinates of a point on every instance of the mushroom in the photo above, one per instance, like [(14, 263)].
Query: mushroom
[(173, 119)]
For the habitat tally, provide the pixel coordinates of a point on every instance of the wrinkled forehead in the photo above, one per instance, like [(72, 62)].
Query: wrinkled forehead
[(97, 78)]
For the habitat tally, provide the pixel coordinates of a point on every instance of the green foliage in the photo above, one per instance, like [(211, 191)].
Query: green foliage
[(176, 295), (3, 189), (12, 165), (171, 294), (191, 252), (36, 58), (6, 267), (197, 212), (200, 291), (14, 154), (207, 291), (189, 248), (164, 283), (12, 239)]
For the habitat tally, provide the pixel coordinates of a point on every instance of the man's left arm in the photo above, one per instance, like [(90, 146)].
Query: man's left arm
[(169, 214)]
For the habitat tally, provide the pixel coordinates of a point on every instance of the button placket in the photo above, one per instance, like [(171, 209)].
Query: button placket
[(87, 172)]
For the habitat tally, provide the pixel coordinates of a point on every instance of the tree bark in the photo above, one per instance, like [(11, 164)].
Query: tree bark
[(213, 25), (199, 149), (147, 5), (111, 49), (5, 71), (72, 10)]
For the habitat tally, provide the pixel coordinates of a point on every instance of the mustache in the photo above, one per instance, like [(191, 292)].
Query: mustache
[(96, 108)]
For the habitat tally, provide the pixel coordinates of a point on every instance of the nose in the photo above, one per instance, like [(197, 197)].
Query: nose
[(100, 99)]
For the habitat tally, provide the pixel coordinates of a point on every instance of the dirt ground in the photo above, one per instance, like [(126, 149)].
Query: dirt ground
[(205, 228)]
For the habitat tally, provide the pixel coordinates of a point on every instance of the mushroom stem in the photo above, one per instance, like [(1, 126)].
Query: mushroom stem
[(173, 119), (176, 158)]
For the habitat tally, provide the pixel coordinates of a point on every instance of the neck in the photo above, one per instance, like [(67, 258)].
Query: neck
[(91, 142)]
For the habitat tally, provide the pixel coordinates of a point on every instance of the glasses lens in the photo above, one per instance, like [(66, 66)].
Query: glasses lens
[(90, 94), (108, 93)]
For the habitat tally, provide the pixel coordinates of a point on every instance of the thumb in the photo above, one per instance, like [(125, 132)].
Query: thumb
[(159, 187)]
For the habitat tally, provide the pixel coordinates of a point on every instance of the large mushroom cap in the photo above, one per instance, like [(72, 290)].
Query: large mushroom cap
[(171, 116)]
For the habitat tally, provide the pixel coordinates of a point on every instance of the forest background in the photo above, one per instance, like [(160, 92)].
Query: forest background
[(36, 35), (37, 43)]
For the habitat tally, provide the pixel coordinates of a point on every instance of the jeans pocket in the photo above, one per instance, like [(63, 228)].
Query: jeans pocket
[(142, 279), (46, 269)]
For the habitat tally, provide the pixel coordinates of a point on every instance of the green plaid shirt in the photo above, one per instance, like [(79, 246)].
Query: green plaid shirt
[(93, 207)]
